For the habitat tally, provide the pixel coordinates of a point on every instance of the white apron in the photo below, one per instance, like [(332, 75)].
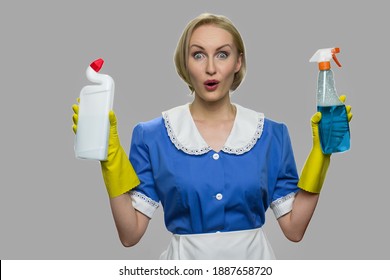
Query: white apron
[(239, 245)]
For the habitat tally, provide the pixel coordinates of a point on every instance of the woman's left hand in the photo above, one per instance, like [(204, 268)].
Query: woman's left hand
[(348, 107)]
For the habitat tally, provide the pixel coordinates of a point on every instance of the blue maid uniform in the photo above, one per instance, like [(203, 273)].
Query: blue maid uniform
[(214, 202)]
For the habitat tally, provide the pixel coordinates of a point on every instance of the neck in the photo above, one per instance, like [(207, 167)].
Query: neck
[(221, 110)]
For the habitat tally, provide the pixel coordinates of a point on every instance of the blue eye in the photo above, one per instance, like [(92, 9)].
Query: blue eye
[(222, 55), (198, 55)]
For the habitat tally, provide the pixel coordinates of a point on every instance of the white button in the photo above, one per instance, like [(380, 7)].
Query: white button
[(219, 196), (215, 156)]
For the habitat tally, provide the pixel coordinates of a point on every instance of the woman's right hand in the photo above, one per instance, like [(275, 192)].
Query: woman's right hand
[(75, 118), (119, 178), (118, 173)]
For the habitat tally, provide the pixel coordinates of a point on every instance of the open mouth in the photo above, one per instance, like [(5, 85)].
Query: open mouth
[(211, 84)]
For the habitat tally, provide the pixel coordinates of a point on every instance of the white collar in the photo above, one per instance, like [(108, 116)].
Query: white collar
[(181, 128)]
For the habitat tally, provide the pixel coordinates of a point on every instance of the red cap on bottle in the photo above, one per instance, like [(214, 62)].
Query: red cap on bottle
[(97, 64)]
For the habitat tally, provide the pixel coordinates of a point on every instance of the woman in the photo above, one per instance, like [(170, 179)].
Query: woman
[(214, 166)]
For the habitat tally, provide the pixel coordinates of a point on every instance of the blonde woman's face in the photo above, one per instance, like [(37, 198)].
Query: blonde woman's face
[(212, 62)]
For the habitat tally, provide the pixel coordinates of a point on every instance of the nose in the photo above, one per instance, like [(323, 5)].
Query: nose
[(210, 68)]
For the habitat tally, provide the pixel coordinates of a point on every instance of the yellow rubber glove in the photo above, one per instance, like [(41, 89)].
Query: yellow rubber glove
[(118, 173), (316, 165)]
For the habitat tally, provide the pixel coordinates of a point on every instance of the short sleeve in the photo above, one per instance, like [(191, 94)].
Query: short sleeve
[(287, 180), (144, 196)]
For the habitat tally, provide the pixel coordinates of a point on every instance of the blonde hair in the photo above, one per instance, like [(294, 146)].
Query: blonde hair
[(182, 49)]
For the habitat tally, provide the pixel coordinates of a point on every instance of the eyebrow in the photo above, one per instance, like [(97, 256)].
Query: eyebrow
[(202, 48)]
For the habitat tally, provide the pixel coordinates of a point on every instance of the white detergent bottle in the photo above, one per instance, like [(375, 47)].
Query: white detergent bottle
[(333, 127), (93, 125)]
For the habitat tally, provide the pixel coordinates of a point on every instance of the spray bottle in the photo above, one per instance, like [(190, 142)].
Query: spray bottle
[(334, 126), (93, 126)]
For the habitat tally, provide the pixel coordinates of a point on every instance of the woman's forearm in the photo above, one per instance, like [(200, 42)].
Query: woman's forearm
[(130, 224), (294, 223)]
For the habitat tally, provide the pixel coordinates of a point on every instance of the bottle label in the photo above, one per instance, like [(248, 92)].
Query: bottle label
[(334, 129)]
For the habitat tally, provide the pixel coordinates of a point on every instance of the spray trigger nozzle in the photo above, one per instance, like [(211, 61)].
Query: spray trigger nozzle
[(334, 51), (323, 57)]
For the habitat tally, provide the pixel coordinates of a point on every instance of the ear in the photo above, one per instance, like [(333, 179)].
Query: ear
[(238, 65)]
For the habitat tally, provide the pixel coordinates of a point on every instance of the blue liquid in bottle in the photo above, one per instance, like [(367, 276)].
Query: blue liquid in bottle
[(334, 129)]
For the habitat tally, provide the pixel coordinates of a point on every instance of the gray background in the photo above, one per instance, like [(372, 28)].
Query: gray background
[(53, 206)]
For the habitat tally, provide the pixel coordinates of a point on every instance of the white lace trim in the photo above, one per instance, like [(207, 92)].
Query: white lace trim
[(282, 199), (253, 141), (146, 199), (283, 205), (176, 142), (232, 146)]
